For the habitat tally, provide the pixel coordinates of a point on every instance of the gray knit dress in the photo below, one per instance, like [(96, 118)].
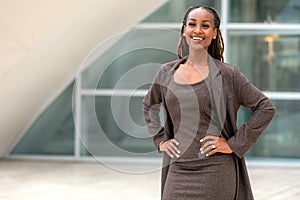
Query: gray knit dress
[(193, 176)]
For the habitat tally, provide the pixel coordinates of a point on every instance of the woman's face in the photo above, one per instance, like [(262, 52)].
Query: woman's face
[(200, 29)]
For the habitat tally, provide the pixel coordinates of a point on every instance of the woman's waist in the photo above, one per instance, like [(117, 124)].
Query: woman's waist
[(201, 129), (202, 161), (189, 139)]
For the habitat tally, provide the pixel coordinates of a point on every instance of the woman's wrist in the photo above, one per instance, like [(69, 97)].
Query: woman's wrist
[(160, 145)]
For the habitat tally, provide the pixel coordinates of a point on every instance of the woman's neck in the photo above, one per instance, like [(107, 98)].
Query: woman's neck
[(198, 58)]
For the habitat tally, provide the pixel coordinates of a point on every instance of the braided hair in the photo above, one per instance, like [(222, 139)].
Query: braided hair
[(216, 48)]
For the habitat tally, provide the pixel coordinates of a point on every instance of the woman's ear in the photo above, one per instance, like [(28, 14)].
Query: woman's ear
[(183, 30), (215, 33)]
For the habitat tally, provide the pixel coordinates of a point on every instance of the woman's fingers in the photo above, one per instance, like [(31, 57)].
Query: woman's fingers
[(208, 146), (170, 147), (209, 137), (214, 145)]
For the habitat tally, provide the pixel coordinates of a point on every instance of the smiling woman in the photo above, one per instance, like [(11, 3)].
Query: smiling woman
[(200, 28), (210, 25), (201, 95)]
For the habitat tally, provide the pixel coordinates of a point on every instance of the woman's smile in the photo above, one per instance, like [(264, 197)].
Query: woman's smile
[(197, 39)]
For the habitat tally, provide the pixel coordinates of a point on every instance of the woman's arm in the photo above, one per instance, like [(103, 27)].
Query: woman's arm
[(263, 111), (151, 107)]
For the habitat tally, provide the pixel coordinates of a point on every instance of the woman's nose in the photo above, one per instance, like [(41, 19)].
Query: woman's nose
[(197, 29)]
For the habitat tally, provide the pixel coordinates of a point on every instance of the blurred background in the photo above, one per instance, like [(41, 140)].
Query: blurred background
[(61, 63), (74, 73)]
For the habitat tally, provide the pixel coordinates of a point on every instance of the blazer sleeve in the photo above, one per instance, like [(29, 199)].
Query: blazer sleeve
[(262, 112), (151, 107)]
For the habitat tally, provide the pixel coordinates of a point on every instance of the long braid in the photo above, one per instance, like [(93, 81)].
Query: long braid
[(215, 49)]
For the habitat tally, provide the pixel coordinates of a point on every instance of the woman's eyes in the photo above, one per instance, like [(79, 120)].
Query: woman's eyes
[(203, 25), (191, 24)]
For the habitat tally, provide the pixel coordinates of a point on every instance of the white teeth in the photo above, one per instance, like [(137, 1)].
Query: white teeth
[(198, 38)]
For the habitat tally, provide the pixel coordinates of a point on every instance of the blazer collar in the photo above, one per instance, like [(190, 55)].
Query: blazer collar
[(214, 65)]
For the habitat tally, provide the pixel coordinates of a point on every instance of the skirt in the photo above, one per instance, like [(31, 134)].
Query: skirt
[(210, 178)]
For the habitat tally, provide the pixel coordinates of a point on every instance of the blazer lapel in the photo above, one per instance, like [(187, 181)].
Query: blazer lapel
[(217, 92)]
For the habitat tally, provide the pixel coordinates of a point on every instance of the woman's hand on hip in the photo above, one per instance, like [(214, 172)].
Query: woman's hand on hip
[(213, 144), (170, 148)]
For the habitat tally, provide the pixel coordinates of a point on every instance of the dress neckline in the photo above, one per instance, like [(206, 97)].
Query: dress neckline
[(190, 84)]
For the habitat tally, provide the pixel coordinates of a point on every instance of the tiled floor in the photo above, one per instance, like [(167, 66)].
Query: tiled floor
[(28, 180)]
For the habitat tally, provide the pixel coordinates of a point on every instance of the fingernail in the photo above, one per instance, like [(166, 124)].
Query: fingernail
[(177, 143), (201, 140), (202, 152), (177, 155), (206, 155), (201, 149), (178, 152), (172, 156)]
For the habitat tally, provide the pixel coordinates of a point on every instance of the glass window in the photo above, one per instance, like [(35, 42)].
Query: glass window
[(174, 10), (114, 126), (269, 11), (270, 59), (53, 131), (131, 65), (134, 49), (281, 138)]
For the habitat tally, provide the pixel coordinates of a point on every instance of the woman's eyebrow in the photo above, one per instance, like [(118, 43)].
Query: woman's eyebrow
[(205, 20)]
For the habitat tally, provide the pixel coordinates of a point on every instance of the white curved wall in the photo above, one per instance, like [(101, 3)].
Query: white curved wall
[(24, 23), (43, 45)]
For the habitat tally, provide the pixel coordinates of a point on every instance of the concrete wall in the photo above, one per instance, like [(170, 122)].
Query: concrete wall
[(42, 44)]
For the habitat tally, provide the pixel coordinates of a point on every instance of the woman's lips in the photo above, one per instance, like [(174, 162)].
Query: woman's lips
[(197, 38)]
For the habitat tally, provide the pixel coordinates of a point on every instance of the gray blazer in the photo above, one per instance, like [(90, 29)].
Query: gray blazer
[(229, 89)]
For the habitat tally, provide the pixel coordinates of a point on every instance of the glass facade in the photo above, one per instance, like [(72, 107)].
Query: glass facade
[(53, 131), (114, 132), (129, 51), (269, 58), (261, 37), (281, 139), (266, 11), (174, 10)]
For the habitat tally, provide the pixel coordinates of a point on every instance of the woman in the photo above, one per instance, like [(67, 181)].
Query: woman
[(201, 96)]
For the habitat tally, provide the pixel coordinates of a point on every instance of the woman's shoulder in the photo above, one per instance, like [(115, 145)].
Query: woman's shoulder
[(226, 67), (228, 70), (165, 71), (171, 65)]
